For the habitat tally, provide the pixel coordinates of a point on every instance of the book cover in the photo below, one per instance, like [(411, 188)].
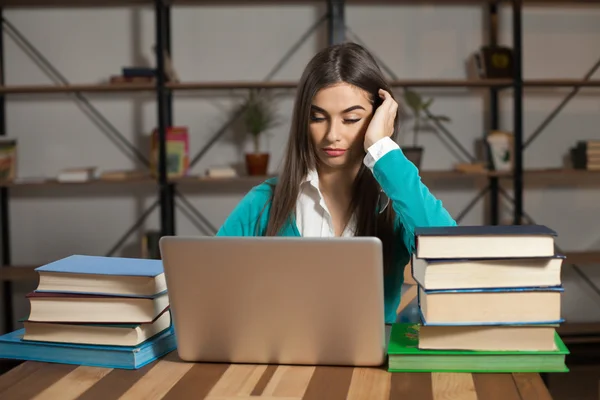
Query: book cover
[(99, 265), (12, 346), (485, 230), (405, 356)]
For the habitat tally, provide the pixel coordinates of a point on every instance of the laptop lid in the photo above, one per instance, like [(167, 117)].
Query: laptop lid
[(278, 300)]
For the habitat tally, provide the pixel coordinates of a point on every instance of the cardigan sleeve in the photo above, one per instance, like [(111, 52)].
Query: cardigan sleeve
[(249, 214), (399, 179)]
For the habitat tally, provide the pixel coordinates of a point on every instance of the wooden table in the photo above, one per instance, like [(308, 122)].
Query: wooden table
[(170, 378)]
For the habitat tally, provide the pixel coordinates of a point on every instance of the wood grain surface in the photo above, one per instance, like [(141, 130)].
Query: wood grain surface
[(171, 378)]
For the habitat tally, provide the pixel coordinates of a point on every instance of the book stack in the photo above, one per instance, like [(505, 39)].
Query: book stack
[(97, 311), (586, 155), (489, 299)]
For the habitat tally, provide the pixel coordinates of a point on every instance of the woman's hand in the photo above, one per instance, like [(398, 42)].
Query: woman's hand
[(382, 123)]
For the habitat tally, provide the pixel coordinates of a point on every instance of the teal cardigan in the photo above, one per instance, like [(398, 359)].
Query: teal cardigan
[(414, 205)]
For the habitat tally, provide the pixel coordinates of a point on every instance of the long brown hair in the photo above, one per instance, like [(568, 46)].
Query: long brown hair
[(349, 63)]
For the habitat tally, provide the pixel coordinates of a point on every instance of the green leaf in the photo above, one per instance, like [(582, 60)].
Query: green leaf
[(412, 99), (427, 103)]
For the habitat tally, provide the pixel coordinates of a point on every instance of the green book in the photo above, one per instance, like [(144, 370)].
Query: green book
[(404, 355)]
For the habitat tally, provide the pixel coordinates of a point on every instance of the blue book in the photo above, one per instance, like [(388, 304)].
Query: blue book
[(493, 306), (12, 346), (484, 241), (120, 276)]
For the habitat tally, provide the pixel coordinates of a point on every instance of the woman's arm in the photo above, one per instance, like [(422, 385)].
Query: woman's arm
[(399, 179), (249, 214)]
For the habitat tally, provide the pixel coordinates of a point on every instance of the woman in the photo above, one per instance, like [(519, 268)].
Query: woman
[(343, 173)]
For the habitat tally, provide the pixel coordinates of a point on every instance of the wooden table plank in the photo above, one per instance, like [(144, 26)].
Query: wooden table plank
[(369, 384), (73, 384), (453, 386), (36, 382), (159, 379), (496, 387), (18, 373), (531, 386), (198, 382), (115, 383), (264, 380), (416, 385), (238, 380), (330, 383), (289, 381)]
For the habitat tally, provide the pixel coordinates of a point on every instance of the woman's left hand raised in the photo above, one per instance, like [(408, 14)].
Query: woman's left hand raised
[(382, 123)]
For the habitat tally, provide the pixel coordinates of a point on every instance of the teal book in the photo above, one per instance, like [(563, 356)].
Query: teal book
[(404, 355), (12, 346)]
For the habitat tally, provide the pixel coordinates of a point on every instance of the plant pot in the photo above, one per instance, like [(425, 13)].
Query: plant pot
[(257, 163), (414, 154)]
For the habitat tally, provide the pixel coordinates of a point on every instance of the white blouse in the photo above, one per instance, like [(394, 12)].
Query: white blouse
[(312, 216)]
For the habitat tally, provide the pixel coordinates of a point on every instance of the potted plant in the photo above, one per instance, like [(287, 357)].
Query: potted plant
[(259, 116), (422, 115)]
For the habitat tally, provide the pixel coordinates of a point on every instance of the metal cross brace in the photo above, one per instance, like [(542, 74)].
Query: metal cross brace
[(559, 108), (131, 230), (577, 269), (268, 77), (103, 123)]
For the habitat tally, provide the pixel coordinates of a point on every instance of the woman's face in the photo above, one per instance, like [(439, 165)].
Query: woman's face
[(339, 118)]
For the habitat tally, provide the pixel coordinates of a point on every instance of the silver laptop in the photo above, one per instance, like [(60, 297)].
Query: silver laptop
[(277, 300)]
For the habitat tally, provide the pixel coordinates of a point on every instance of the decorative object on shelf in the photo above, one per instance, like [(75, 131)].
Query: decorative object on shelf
[(259, 116), (491, 62), (501, 147), (178, 157), (422, 115), (8, 159)]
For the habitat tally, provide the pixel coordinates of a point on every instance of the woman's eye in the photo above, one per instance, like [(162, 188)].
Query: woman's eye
[(314, 118), (351, 121)]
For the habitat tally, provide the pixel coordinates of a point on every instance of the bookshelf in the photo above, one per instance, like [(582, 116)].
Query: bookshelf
[(517, 179)]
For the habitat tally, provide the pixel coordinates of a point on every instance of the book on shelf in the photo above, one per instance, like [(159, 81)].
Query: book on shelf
[(77, 174), (586, 155)]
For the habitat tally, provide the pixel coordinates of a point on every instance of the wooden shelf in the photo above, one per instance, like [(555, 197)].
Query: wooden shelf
[(582, 257), (54, 182), (228, 85), (550, 83), (566, 176), (31, 89), (232, 85)]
